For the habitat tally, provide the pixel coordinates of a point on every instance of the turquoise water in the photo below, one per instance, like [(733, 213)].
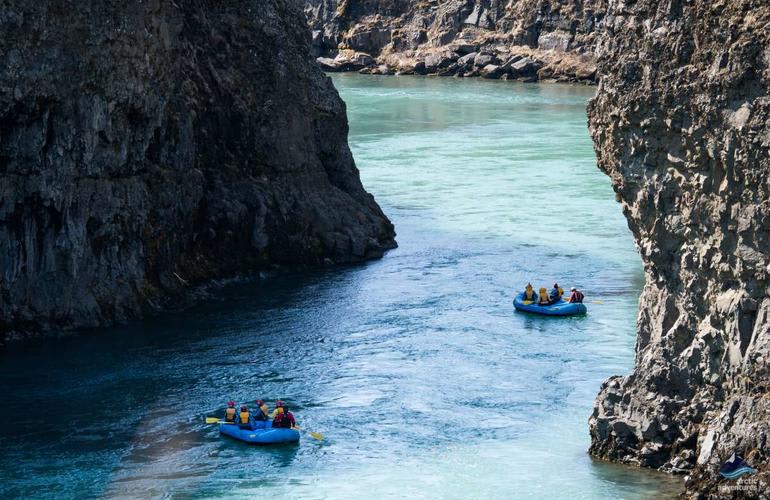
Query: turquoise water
[(415, 367)]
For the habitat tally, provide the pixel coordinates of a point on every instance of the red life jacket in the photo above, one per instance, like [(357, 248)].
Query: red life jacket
[(576, 296), (285, 420)]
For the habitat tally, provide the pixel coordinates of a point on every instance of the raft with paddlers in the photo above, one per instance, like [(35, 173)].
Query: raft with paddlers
[(259, 428), (558, 308), (259, 433)]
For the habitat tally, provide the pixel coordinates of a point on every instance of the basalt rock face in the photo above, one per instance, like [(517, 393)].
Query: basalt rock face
[(149, 147), (401, 35), (681, 124)]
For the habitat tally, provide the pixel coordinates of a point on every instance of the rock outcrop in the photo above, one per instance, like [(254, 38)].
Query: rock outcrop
[(401, 36), (149, 147), (681, 124)]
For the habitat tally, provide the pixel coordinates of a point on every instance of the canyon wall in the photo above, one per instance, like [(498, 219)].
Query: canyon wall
[(681, 124), (517, 39), (149, 147)]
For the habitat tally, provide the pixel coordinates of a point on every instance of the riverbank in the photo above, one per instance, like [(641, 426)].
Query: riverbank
[(518, 40), (501, 62)]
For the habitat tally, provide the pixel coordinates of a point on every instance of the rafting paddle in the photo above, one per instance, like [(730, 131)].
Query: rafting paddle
[(313, 434), (215, 420)]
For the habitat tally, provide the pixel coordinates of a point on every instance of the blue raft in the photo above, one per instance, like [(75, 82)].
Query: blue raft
[(263, 433), (560, 308)]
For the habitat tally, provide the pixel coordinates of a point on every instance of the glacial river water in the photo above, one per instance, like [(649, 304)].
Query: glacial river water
[(415, 367)]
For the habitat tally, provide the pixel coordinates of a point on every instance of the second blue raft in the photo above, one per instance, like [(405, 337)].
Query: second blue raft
[(263, 433), (560, 308)]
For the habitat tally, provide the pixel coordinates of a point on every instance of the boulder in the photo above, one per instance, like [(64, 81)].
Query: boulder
[(525, 67), (450, 70), (361, 59), (346, 61), (467, 60), (435, 62), (491, 71), (328, 64), (509, 62), (482, 59)]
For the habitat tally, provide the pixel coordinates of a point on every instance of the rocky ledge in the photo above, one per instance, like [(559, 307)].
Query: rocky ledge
[(548, 40), (149, 147), (681, 124)]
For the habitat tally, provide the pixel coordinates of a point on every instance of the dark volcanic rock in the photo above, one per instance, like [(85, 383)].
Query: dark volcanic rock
[(146, 148), (681, 124)]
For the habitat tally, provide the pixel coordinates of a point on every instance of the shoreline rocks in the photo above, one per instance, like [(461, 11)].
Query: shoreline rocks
[(148, 149), (405, 37), (681, 124)]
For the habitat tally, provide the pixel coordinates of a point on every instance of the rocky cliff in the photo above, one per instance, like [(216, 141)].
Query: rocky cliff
[(518, 39), (148, 147), (681, 124)]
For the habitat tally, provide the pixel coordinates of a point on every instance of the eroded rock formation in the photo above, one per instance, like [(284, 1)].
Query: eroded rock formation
[(681, 124), (555, 38), (147, 147)]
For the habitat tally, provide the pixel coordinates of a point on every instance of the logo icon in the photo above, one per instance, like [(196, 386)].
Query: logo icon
[(735, 467)]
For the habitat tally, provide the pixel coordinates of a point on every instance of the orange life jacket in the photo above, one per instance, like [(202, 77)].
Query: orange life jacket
[(244, 416), (230, 415)]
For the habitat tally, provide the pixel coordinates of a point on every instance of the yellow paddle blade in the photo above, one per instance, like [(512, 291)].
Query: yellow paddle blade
[(212, 420), (598, 301), (316, 435)]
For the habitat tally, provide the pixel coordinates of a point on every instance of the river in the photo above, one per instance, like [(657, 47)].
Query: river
[(415, 367)]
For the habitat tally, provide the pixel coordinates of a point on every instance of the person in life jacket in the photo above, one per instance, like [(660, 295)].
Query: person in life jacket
[(556, 293), (278, 409), (264, 412), (244, 417), (285, 419), (544, 298), (230, 412), (529, 293), (575, 296)]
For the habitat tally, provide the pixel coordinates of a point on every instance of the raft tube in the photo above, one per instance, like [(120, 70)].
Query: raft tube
[(560, 308), (263, 433)]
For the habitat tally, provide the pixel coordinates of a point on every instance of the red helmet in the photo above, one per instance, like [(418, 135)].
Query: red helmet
[(260, 402), (243, 407), (231, 404), (279, 404)]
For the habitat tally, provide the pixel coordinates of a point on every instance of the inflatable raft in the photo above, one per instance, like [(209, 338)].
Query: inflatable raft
[(263, 433), (560, 308)]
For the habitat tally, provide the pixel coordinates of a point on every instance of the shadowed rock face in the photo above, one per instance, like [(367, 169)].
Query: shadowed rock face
[(146, 148), (681, 124)]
